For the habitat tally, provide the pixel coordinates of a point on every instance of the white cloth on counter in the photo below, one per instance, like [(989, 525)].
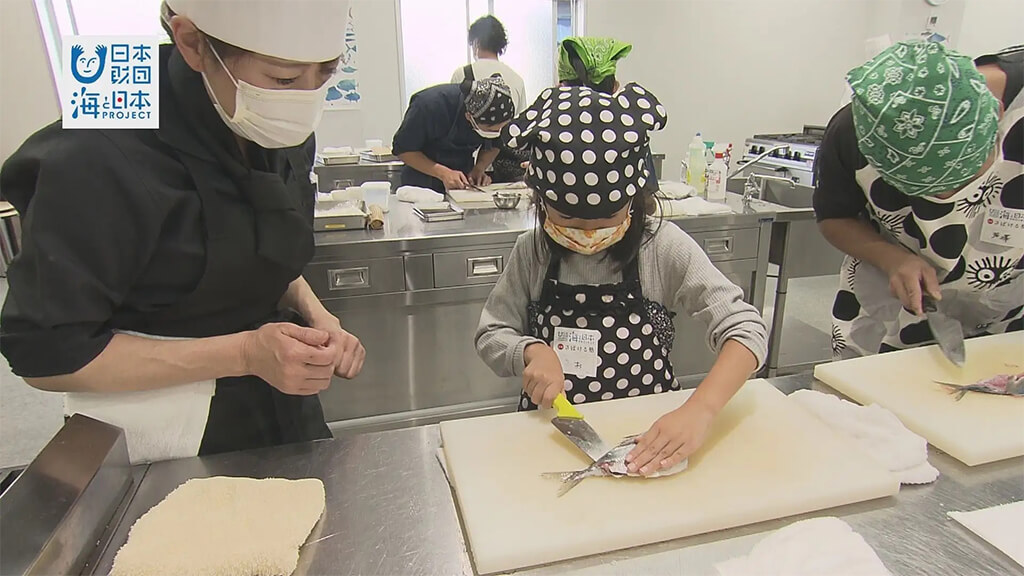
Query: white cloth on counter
[(815, 547), (672, 190), (999, 526), (692, 206), (161, 424), (417, 195), (878, 431)]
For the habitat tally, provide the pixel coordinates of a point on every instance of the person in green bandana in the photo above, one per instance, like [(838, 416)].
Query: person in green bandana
[(920, 181), (591, 61)]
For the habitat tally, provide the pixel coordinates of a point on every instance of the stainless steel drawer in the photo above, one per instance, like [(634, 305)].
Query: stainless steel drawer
[(469, 267), (737, 244), (356, 277)]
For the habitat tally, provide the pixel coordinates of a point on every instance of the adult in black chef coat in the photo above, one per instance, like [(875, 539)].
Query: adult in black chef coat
[(161, 269), (445, 125)]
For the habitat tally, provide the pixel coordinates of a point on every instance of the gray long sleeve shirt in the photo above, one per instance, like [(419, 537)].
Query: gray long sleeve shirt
[(674, 271)]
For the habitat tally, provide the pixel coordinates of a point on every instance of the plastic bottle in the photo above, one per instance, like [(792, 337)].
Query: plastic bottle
[(716, 178), (696, 165)]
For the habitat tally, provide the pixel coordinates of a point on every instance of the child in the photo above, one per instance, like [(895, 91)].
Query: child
[(598, 277)]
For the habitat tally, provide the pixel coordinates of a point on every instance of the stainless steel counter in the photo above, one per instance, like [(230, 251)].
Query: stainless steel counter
[(413, 293), (390, 511)]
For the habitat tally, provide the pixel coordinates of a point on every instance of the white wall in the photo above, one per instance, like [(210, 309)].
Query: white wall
[(28, 99), (381, 105), (991, 25), (732, 68)]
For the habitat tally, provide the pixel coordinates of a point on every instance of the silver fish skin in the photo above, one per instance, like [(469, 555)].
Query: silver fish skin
[(611, 464)]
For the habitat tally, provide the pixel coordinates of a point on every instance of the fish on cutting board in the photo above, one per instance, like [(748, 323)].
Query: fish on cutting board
[(1002, 384), (611, 464)]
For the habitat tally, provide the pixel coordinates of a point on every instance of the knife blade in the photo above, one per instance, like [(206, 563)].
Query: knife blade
[(570, 423), (947, 331)]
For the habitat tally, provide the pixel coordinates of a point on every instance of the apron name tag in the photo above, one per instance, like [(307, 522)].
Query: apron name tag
[(577, 350), (1003, 227)]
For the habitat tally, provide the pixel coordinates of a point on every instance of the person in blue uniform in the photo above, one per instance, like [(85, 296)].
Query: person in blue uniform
[(445, 125), (160, 282)]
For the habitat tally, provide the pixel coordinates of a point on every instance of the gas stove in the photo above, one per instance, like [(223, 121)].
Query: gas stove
[(796, 160)]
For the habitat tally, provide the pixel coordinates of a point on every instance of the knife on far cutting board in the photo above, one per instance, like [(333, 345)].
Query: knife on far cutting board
[(947, 331)]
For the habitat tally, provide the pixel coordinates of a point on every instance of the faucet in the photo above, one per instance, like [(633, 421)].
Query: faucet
[(755, 183)]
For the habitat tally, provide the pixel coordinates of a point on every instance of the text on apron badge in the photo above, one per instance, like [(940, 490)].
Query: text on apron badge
[(577, 350), (1004, 227)]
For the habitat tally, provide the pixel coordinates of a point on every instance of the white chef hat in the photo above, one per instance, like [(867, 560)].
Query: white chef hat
[(299, 30)]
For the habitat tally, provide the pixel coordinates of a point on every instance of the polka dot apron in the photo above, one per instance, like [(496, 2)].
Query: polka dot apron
[(635, 336), (982, 281)]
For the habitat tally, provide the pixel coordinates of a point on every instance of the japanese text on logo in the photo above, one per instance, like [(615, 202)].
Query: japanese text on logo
[(110, 82)]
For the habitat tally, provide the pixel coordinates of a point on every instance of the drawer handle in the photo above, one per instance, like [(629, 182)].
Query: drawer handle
[(486, 266), (348, 278), (718, 245)]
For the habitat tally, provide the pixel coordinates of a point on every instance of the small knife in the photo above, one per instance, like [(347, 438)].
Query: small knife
[(947, 331), (570, 422)]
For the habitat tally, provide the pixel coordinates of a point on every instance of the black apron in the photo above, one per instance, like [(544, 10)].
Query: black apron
[(258, 241), (454, 151), (636, 335)]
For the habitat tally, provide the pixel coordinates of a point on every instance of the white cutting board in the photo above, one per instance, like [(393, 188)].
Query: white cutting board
[(764, 458), (978, 429)]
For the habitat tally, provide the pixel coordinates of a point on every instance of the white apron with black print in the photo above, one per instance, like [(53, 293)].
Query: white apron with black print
[(981, 271)]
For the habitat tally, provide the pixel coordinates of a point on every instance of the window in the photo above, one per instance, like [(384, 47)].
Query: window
[(62, 18), (433, 38)]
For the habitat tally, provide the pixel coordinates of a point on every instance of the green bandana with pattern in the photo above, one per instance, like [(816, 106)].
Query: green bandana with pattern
[(924, 117), (599, 56)]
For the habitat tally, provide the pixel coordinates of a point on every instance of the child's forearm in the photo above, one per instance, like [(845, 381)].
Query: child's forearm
[(734, 365)]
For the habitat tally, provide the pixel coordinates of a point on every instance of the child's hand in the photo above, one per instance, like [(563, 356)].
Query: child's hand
[(672, 438), (543, 379)]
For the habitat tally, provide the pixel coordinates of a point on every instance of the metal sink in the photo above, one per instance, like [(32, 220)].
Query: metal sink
[(805, 251)]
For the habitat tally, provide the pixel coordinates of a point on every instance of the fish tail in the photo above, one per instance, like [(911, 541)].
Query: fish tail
[(570, 483)]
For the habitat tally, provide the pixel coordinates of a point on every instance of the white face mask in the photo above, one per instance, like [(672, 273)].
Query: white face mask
[(483, 133), (271, 118)]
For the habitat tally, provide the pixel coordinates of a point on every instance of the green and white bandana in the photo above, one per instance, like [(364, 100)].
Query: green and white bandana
[(599, 56), (924, 117)]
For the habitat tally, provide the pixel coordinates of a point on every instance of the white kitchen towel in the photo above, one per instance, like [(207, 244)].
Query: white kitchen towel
[(1000, 526), (878, 431), (814, 547), (417, 195), (692, 206), (675, 190), (160, 424)]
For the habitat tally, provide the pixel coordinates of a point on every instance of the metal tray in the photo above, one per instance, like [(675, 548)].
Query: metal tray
[(452, 213)]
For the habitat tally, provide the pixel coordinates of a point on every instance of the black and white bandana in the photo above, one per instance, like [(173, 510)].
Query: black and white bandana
[(489, 101), (588, 147)]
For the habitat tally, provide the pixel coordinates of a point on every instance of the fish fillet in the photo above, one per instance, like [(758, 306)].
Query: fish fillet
[(223, 526)]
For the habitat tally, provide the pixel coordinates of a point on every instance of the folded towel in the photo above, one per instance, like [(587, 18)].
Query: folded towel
[(416, 195), (692, 206), (878, 431), (675, 190), (809, 548)]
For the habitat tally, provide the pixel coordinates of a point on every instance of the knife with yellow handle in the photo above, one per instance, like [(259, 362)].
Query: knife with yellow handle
[(569, 422)]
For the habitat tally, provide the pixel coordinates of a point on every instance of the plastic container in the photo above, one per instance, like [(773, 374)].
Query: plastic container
[(377, 193), (716, 178), (696, 165)]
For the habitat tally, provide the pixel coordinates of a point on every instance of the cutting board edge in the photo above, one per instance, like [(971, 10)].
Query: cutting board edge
[(890, 491)]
